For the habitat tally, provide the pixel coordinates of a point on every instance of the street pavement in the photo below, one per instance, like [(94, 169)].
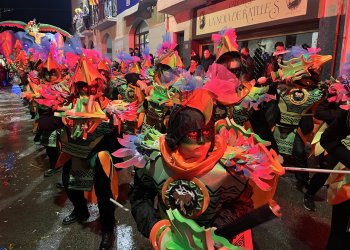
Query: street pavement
[(32, 207)]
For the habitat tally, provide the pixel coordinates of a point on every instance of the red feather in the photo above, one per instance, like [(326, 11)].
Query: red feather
[(7, 41)]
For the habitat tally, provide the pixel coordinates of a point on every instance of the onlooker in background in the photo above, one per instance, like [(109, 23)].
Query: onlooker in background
[(137, 52), (276, 58), (115, 65), (259, 64), (271, 108), (131, 51), (247, 64), (305, 46), (195, 68), (152, 58), (207, 60)]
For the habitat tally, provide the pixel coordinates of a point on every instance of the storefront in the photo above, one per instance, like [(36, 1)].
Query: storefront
[(258, 23)]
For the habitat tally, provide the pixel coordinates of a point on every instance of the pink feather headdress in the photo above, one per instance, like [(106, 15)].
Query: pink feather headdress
[(225, 41)]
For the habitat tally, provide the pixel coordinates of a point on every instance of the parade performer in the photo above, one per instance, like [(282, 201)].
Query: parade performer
[(166, 53), (325, 113), (32, 91), (297, 96), (86, 141), (161, 94), (339, 184), (51, 76), (196, 167), (250, 95), (104, 67), (335, 140)]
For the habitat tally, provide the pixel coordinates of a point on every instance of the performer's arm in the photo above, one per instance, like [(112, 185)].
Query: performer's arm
[(142, 206), (327, 112), (332, 136)]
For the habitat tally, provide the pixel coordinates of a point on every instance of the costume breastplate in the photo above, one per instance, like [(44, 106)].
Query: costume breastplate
[(296, 103), (78, 148), (82, 148), (241, 115), (189, 196), (126, 92), (155, 116)]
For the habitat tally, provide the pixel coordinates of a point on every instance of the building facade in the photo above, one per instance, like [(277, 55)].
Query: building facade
[(261, 23), (111, 26)]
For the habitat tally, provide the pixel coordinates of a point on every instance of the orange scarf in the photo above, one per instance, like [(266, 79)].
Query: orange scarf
[(182, 169)]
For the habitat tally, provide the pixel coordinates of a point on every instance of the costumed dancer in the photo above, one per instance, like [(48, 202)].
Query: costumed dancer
[(297, 97), (51, 79), (325, 113), (245, 108), (161, 95), (196, 168), (334, 141), (104, 67), (86, 141)]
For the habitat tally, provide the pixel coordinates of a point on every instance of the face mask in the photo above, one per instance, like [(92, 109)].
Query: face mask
[(198, 136), (87, 90)]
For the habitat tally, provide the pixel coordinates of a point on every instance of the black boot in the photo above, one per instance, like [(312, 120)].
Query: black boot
[(73, 217), (107, 241), (309, 202), (50, 172)]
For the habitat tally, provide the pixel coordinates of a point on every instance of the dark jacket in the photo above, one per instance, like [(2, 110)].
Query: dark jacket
[(207, 62), (327, 111), (331, 138), (247, 67)]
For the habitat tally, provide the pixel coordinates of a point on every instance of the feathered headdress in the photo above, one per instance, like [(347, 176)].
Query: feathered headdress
[(125, 59), (134, 66), (224, 85), (225, 41), (297, 51), (166, 53), (104, 65), (86, 72), (7, 42), (146, 58), (341, 87), (54, 58), (93, 55)]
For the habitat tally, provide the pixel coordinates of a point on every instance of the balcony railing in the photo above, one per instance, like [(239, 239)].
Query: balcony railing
[(102, 15)]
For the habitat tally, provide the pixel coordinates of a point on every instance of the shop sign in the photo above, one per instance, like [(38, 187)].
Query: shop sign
[(246, 13)]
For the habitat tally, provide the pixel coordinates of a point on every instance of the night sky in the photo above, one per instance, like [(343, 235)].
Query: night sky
[(54, 12)]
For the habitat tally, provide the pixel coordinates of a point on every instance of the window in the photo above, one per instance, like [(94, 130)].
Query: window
[(141, 36), (109, 47)]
